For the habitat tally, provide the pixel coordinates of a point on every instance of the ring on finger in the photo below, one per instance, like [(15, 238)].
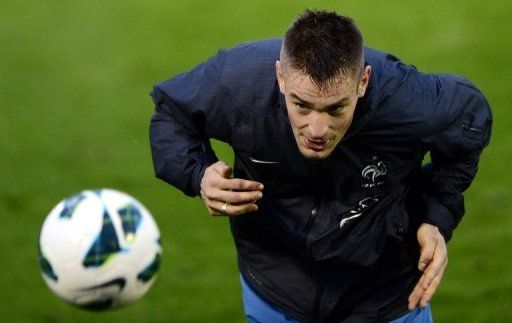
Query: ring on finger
[(225, 208)]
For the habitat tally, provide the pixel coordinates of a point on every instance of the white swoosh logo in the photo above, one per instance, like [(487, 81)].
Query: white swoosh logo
[(349, 218), (257, 161)]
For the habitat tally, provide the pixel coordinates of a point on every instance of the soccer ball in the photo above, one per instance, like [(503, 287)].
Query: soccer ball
[(99, 249)]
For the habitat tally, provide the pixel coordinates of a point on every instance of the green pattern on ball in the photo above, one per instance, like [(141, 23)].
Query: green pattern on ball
[(99, 305), (105, 245), (131, 218), (70, 205), (45, 265), (150, 271)]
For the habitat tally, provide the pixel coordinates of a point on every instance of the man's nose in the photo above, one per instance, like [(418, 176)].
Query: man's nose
[(318, 125)]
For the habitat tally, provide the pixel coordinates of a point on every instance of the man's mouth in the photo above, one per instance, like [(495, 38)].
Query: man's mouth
[(316, 145)]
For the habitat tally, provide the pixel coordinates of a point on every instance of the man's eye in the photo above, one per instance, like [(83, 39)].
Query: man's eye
[(337, 110), (301, 106)]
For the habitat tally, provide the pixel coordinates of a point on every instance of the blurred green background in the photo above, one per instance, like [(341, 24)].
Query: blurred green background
[(74, 114)]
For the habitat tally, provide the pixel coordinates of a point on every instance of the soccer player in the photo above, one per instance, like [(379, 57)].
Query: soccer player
[(333, 216)]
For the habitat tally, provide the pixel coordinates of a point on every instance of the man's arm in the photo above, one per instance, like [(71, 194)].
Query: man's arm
[(189, 109), (180, 127), (180, 154), (455, 152), (454, 162)]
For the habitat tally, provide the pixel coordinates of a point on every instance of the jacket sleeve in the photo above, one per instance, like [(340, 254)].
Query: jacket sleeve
[(454, 151), (188, 112)]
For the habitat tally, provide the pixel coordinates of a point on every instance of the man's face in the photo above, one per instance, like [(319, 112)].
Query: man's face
[(320, 117)]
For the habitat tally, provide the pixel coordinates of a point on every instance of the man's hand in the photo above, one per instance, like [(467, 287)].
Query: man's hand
[(433, 261), (223, 195)]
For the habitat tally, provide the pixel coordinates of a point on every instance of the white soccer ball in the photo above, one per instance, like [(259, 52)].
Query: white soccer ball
[(99, 249)]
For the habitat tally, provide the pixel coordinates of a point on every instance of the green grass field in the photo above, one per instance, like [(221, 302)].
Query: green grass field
[(74, 114)]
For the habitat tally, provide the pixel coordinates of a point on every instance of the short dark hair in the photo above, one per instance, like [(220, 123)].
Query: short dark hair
[(324, 45)]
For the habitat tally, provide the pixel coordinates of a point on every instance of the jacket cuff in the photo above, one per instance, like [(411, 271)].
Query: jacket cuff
[(196, 179), (442, 218)]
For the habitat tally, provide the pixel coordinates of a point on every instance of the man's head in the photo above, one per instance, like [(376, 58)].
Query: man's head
[(322, 75)]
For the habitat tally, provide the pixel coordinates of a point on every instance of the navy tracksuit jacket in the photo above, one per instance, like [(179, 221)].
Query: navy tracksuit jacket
[(333, 240)]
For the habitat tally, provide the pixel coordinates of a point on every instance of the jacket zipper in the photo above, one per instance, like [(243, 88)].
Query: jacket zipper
[(309, 223), (319, 294), (471, 129), (305, 232)]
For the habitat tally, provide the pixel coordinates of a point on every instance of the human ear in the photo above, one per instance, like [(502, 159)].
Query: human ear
[(363, 83), (280, 77)]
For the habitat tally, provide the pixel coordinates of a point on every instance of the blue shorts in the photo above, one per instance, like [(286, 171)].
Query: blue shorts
[(258, 310)]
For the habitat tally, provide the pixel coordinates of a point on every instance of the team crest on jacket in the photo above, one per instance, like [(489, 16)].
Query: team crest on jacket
[(374, 174), (373, 179)]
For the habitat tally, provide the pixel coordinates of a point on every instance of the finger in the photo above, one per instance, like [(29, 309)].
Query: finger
[(235, 198), (427, 296), (427, 252), (212, 212), (415, 297), (207, 202), (231, 210), (435, 268), (430, 279), (222, 169), (238, 184)]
